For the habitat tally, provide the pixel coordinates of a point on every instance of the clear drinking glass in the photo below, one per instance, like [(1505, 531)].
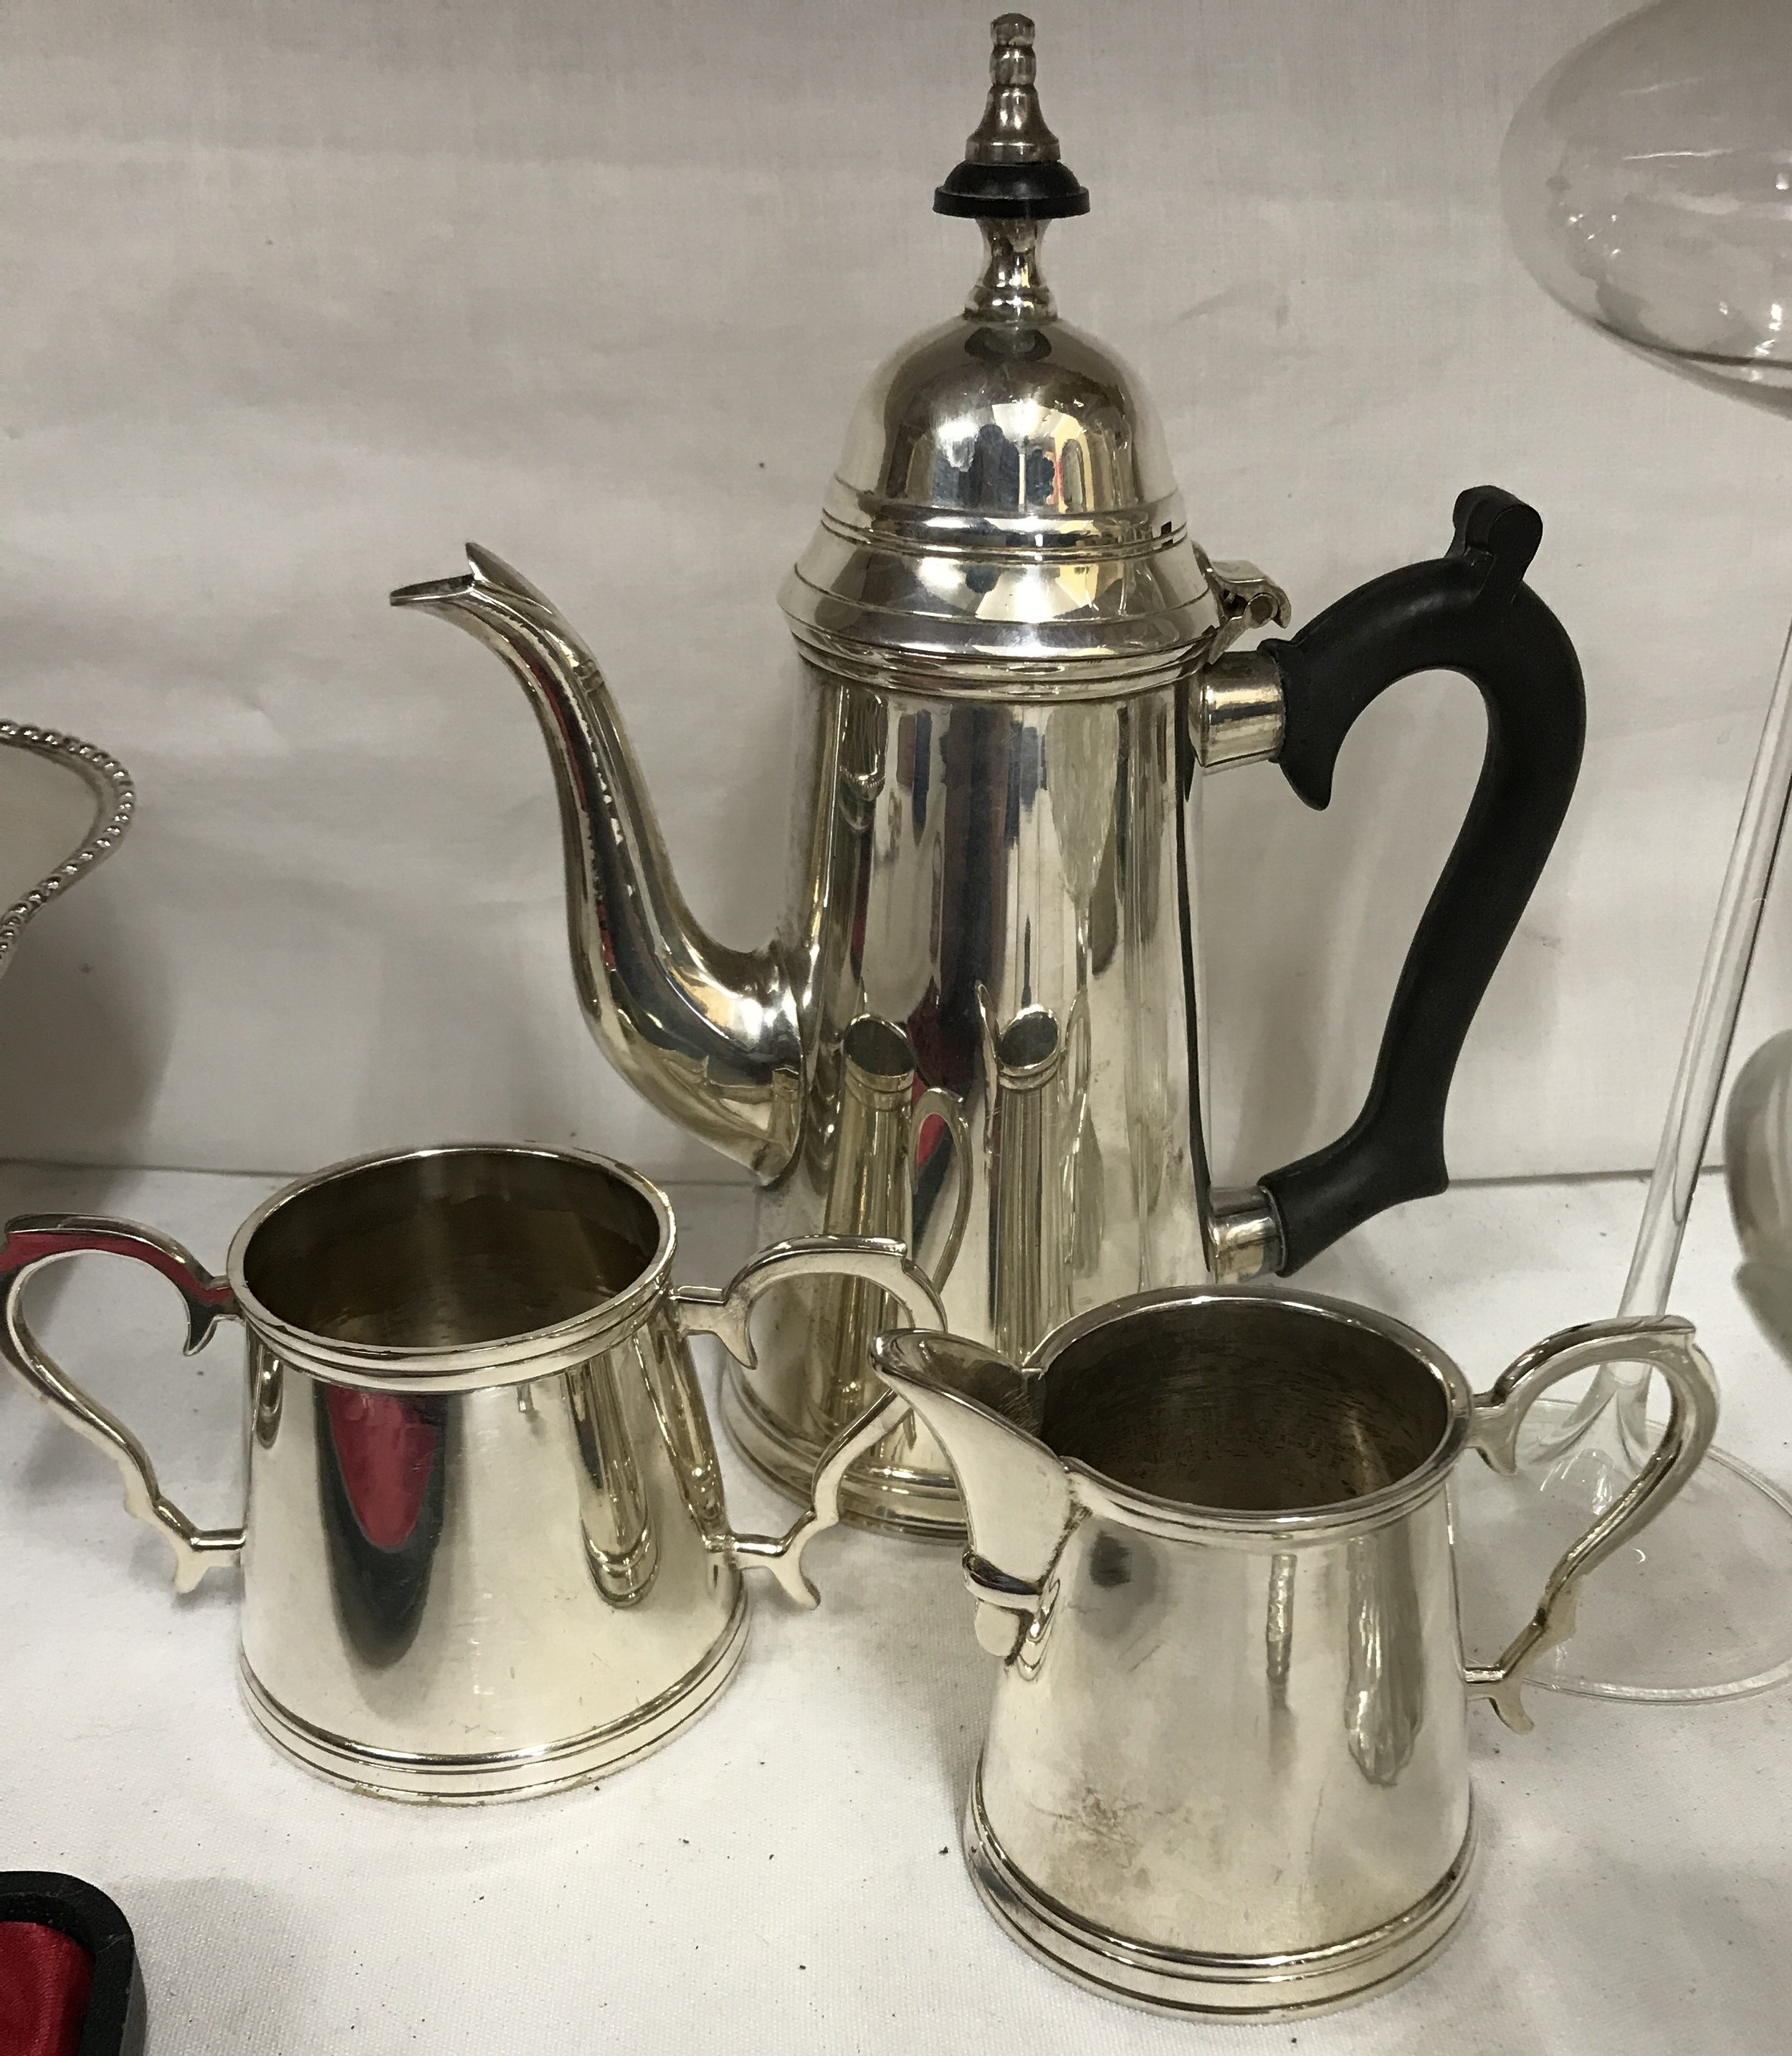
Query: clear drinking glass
[(1647, 184)]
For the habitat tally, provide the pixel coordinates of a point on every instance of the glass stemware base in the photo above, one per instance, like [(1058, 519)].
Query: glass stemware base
[(1699, 1608), (1647, 184)]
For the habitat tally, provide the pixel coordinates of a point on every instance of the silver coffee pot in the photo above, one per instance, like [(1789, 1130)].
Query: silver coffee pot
[(1013, 670)]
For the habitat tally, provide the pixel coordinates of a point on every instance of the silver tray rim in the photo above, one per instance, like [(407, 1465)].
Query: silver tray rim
[(113, 788)]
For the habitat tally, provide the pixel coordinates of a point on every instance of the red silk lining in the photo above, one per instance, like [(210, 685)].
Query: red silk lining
[(45, 1979)]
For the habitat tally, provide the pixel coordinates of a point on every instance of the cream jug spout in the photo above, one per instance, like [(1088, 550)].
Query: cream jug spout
[(985, 1415), (708, 1033)]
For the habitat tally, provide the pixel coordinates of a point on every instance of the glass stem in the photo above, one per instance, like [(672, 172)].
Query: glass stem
[(1704, 1057)]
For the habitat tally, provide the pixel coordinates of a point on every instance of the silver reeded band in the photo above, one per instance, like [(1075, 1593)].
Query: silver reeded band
[(1175, 1981), (555, 1764)]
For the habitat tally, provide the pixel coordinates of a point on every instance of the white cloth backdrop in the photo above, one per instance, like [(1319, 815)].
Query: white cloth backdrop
[(296, 297)]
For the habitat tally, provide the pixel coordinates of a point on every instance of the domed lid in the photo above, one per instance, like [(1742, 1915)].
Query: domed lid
[(1004, 512)]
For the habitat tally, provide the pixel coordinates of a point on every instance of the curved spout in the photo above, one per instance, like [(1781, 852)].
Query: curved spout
[(985, 1415), (708, 1034)]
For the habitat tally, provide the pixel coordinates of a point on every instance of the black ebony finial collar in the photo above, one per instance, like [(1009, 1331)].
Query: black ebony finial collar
[(1011, 170)]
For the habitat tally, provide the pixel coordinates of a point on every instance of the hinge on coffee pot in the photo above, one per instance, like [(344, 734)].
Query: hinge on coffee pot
[(1236, 711), (1247, 599)]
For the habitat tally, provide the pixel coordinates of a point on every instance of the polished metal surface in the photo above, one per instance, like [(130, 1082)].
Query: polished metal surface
[(484, 1550), (64, 806), (1243, 1234), (1004, 520), (1035, 1120), (706, 1034), (1282, 1986), (887, 1138), (1236, 715), (969, 868), (1004, 882), (1226, 1770), (1013, 666), (1013, 131)]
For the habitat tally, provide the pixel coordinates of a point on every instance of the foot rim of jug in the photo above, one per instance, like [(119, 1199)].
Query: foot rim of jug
[(920, 1506), (1181, 1981), (490, 1778)]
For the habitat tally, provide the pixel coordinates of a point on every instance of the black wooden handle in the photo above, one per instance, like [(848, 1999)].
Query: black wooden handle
[(1468, 611)]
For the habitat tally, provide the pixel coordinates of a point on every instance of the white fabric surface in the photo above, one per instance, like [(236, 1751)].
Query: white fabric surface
[(296, 298), (784, 1877)]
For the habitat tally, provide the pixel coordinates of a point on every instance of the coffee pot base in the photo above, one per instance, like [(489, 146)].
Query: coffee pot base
[(520, 1773), (1200, 1986), (922, 1506)]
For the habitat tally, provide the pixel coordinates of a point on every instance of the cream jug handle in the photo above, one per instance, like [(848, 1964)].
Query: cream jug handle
[(1665, 1343), (727, 1314), (34, 1240)]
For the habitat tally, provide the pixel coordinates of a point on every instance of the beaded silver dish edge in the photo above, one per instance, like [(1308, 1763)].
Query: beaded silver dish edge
[(117, 798)]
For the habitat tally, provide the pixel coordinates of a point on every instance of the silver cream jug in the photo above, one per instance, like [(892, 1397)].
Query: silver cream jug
[(1013, 673), (1226, 1767), (485, 1548)]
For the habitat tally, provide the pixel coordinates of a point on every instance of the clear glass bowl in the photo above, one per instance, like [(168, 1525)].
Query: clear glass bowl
[(1647, 185)]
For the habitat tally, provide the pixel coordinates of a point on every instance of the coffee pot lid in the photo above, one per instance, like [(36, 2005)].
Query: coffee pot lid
[(1004, 511)]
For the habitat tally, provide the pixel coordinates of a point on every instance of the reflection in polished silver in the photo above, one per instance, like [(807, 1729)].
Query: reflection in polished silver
[(893, 1134), (1031, 1176), (884, 1113), (64, 806), (485, 1552), (1013, 130), (1226, 1770), (708, 1035), (1240, 718)]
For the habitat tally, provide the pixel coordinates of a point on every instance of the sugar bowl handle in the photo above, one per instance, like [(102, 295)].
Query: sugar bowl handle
[(34, 1240), (1468, 611), (1665, 1343), (725, 1315)]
